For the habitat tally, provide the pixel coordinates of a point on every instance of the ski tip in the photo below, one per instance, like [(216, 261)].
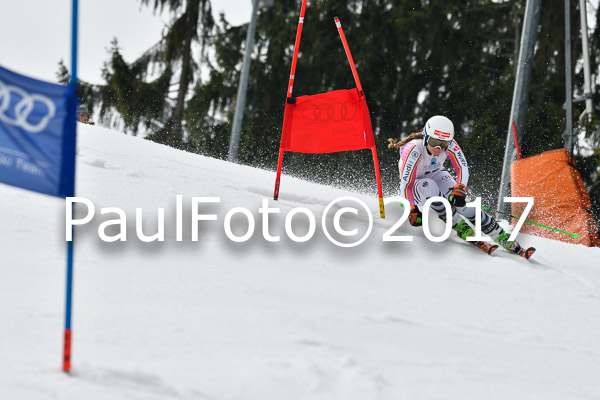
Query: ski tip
[(492, 249), (486, 248), (527, 253)]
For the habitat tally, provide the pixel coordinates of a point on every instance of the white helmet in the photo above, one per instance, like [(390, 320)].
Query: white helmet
[(440, 128)]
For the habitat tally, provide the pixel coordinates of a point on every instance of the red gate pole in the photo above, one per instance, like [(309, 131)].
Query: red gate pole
[(338, 24), (278, 178), (296, 48), (378, 177), (349, 55), (289, 94), (514, 129)]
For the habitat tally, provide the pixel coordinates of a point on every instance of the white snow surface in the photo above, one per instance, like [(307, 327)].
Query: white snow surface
[(216, 319)]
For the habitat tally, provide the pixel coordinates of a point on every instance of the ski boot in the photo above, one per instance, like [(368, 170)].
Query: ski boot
[(460, 225), (464, 230), (499, 236)]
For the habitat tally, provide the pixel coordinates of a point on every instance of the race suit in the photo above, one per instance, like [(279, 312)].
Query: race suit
[(422, 176)]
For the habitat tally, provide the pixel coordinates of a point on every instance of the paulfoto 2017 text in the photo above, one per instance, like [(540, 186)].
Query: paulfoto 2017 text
[(336, 209)]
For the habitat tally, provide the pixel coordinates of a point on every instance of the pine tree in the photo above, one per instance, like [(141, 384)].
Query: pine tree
[(139, 92), (129, 93), (192, 22)]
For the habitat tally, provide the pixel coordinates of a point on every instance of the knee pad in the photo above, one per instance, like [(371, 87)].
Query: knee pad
[(467, 212), (424, 189)]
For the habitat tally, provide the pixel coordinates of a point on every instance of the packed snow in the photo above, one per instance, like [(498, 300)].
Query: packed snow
[(221, 319)]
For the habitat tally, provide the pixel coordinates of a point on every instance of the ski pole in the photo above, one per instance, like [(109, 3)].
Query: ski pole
[(531, 222), (534, 223)]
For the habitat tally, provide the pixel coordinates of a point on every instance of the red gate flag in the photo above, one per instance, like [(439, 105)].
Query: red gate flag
[(328, 122)]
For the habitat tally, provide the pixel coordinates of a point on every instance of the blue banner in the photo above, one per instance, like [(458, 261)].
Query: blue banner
[(37, 134)]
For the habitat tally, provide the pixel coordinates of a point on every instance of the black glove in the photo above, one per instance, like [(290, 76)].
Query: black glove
[(416, 216), (458, 194)]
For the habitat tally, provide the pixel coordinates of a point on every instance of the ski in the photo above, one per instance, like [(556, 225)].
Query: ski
[(525, 253), (486, 248)]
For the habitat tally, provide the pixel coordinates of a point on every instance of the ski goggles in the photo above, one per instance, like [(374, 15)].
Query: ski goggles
[(436, 143)]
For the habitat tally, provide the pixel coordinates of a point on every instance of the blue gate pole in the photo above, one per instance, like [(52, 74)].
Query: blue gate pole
[(74, 44), (69, 290)]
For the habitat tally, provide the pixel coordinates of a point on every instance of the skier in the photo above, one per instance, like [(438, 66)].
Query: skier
[(422, 176)]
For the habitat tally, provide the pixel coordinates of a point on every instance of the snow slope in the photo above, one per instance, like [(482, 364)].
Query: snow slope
[(216, 319)]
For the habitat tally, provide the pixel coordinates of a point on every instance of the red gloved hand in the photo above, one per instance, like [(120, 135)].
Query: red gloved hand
[(458, 195), (416, 217)]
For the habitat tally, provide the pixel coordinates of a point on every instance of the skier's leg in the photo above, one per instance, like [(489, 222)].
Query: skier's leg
[(489, 226), (427, 188), (446, 182), (499, 236)]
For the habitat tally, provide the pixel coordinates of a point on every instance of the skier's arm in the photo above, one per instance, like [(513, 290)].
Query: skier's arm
[(459, 163), (409, 159)]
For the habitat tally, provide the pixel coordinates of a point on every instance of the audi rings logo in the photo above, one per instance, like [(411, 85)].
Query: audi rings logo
[(336, 112), (31, 112)]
